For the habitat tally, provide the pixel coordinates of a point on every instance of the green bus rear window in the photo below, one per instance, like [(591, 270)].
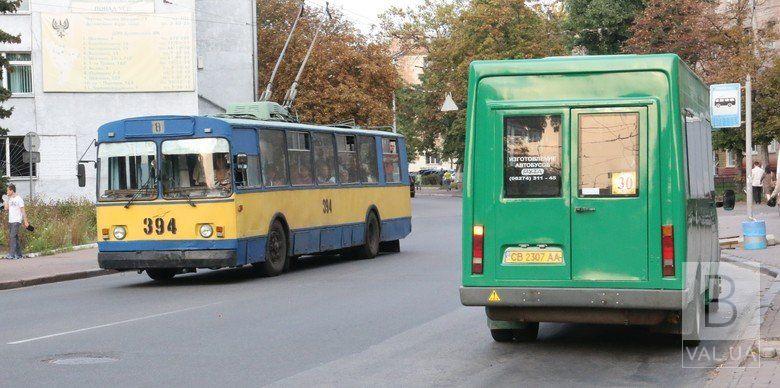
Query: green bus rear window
[(532, 156)]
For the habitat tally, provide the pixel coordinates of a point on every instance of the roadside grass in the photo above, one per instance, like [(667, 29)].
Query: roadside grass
[(59, 224)]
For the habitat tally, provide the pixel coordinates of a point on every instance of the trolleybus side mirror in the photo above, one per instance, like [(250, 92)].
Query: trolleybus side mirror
[(728, 200), (81, 174)]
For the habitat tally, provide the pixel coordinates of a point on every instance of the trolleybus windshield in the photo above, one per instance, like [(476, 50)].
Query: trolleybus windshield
[(127, 170), (196, 168)]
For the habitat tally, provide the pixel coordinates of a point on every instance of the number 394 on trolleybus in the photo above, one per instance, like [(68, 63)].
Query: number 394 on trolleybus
[(588, 194), (179, 193)]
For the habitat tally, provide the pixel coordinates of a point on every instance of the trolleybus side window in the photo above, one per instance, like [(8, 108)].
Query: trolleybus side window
[(532, 156), (299, 151), (368, 162), (273, 158), (247, 170), (347, 158), (324, 158), (609, 155), (390, 160), (125, 168)]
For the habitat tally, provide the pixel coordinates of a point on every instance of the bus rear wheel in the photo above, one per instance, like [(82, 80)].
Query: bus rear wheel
[(370, 248), (527, 333), (276, 258), (161, 274)]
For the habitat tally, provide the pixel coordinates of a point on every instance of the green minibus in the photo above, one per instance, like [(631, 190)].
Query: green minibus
[(588, 194)]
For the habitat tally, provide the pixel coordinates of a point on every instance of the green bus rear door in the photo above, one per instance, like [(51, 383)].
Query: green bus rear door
[(562, 194)]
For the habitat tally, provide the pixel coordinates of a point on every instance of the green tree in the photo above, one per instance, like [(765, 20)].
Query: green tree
[(455, 34), (766, 106), (348, 77), (6, 6), (711, 37), (601, 26)]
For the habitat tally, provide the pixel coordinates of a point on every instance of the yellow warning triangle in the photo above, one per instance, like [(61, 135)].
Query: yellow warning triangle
[(494, 297)]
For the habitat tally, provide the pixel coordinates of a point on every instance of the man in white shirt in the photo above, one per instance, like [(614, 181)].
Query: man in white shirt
[(16, 216), (756, 180)]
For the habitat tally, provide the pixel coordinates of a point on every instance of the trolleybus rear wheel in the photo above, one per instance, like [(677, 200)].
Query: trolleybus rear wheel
[(370, 248), (275, 252), (161, 274)]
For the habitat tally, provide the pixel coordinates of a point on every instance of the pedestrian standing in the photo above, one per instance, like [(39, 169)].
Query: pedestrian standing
[(448, 180), (756, 177), (16, 216)]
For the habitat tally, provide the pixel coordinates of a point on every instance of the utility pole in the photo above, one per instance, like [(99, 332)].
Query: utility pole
[(749, 118), (255, 54), (394, 60)]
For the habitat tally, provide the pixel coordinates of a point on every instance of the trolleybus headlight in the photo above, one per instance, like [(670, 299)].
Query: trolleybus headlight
[(206, 230), (120, 232)]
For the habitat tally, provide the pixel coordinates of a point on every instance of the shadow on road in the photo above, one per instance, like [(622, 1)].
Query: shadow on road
[(248, 273)]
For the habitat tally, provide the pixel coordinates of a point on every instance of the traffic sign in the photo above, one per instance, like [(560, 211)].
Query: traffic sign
[(32, 142), (31, 157), (726, 105)]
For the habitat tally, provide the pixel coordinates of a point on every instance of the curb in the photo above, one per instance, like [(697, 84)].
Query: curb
[(62, 250), (56, 278)]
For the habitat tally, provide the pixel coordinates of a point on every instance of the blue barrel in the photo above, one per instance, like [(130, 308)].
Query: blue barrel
[(755, 234)]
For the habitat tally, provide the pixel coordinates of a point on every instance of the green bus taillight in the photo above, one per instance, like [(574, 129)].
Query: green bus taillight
[(667, 249), (477, 249)]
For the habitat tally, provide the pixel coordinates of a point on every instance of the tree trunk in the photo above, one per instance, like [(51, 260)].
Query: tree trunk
[(763, 154)]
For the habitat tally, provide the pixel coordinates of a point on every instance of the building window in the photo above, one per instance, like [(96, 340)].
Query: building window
[(24, 7), (19, 79), (773, 147), (731, 158), (12, 158), (431, 159)]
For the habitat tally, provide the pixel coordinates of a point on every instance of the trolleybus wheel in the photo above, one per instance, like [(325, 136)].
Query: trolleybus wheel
[(161, 274), (275, 252), (370, 248)]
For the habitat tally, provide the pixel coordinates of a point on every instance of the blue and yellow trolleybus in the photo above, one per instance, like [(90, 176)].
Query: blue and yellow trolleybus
[(588, 194), (177, 193)]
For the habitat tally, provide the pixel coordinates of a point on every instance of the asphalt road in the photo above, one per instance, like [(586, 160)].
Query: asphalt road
[(392, 321)]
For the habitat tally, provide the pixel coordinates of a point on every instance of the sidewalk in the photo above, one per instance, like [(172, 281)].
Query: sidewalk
[(762, 369), (49, 269)]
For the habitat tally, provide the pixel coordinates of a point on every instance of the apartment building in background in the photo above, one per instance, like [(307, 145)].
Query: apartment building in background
[(410, 63), (82, 63)]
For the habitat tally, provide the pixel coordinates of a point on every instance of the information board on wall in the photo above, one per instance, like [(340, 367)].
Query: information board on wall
[(146, 6), (109, 52)]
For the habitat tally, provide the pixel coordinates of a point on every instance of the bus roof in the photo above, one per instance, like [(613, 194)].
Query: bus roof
[(579, 64), (140, 128)]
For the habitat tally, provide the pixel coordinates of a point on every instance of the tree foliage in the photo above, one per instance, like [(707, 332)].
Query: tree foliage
[(348, 77), (601, 26), (6, 6), (455, 33), (711, 37)]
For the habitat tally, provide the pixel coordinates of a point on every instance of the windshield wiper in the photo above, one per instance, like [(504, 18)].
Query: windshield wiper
[(145, 186), (189, 199)]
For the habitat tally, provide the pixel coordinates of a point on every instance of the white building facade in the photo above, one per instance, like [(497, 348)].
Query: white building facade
[(82, 63)]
